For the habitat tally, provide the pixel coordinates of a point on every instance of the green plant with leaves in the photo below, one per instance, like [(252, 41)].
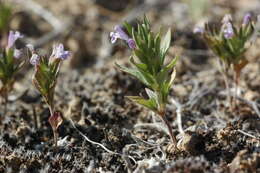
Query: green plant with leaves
[(229, 43), (45, 79), (10, 64), (149, 67)]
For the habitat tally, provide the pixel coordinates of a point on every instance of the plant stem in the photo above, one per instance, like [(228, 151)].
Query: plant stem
[(224, 72), (55, 136), (164, 119), (51, 110), (35, 117), (6, 102), (236, 80), (55, 133)]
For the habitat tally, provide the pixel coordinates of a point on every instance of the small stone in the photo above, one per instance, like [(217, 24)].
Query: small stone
[(192, 143)]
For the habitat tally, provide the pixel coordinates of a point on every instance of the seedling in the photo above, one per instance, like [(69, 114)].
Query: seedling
[(10, 64), (148, 61), (46, 71), (229, 43)]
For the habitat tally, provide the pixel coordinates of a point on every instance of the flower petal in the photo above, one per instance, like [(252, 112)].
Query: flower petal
[(34, 60), (17, 53), (131, 43), (12, 37)]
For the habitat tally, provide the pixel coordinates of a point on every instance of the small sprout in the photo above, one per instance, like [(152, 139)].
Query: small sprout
[(45, 79), (148, 61), (229, 44), (10, 64)]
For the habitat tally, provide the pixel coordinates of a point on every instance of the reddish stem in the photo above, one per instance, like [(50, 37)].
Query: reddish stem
[(164, 119)]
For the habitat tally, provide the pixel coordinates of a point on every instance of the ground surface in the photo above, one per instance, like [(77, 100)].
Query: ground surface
[(91, 91)]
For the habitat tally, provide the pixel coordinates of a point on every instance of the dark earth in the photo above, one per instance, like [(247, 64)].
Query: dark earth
[(91, 95)]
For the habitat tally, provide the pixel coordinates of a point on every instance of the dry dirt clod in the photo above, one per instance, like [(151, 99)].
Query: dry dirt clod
[(22, 130), (245, 162), (192, 142), (13, 162)]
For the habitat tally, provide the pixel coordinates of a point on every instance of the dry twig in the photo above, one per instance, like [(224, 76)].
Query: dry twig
[(178, 113), (247, 134), (124, 157)]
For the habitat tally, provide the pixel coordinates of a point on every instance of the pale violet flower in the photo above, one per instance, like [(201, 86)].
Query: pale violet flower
[(227, 30), (17, 53), (12, 37), (198, 30), (59, 52), (120, 34), (247, 19), (131, 43), (34, 60)]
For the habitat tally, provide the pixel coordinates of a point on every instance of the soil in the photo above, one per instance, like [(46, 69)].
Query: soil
[(91, 92)]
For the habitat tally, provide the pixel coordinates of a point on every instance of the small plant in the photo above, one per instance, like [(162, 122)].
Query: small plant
[(148, 59), (10, 64), (45, 79), (229, 43)]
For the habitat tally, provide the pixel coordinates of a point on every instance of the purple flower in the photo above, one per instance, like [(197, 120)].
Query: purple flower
[(13, 36), (17, 53), (131, 43), (227, 30), (198, 30), (59, 52), (247, 18), (120, 34), (35, 59)]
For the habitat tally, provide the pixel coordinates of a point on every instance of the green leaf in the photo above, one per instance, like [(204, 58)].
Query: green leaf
[(141, 56), (140, 66), (134, 73), (148, 103), (172, 77), (165, 44), (152, 95), (157, 43), (163, 74), (146, 22), (19, 66), (128, 28), (143, 77)]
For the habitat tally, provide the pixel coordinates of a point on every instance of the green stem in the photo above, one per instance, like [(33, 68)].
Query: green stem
[(236, 80), (224, 72), (55, 137), (5, 103), (35, 117), (164, 119), (55, 132)]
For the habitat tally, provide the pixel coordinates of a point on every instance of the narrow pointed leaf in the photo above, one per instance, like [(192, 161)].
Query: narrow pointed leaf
[(148, 103)]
